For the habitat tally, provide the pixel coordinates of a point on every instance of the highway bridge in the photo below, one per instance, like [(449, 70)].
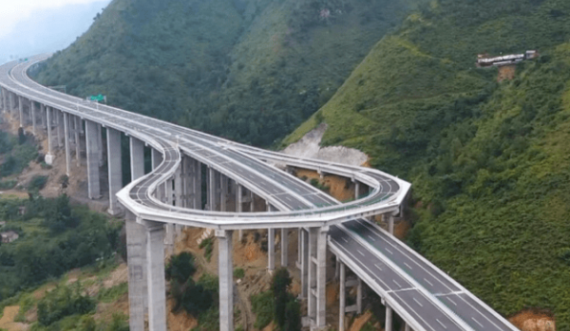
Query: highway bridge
[(159, 203)]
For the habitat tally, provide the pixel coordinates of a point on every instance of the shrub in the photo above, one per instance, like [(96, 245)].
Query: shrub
[(63, 301), (180, 267), (239, 273), (262, 306), (37, 183)]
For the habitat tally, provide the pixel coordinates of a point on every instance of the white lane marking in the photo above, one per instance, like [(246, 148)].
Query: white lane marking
[(407, 265), (403, 251), (476, 321), (343, 238), (396, 283), (359, 252), (419, 303), (453, 302), (427, 281), (437, 319), (372, 238), (389, 251), (378, 267)]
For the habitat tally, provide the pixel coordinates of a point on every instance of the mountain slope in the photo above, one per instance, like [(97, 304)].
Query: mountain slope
[(489, 161), (250, 70)]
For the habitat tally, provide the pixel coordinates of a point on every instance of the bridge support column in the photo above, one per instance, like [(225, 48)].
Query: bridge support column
[(33, 111), (223, 192), (284, 247), (270, 246), (156, 277), (211, 189), (317, 277), (66, 142), (101, 152), (304, 263), (21, 109), (156, 160), (342, 295), (137, 158), (388, 326), (78, 129), (407, 327), (136, 254), (114, 164), (43, 115), (49, 156), (225, 271), (359, 296), (239, 207), (197, 185), (60, 128), (390, 221), (92, 143), (356, 190), (270, 250)]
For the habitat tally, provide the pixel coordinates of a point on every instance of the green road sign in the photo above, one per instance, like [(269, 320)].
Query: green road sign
[(97, 98)]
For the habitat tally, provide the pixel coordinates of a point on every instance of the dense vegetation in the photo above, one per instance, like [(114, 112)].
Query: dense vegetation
[(489, 161), (198, 298), (55, 237), (277, 304), (17, 152), (251, 70)]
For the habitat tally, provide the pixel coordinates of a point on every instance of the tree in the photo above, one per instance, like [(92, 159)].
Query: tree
[(279, 286), (292, 316)]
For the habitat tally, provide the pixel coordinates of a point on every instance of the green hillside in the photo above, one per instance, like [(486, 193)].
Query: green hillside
[(490, 162), (250, 70)]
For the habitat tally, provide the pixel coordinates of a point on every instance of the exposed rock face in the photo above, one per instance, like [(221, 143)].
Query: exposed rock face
[(310, 147), (532, 321)]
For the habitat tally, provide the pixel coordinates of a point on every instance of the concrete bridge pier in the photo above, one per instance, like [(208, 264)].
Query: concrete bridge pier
[(66, 136), (21, 110), (43, 116), (33, 111), (136, 255), (304, 262), (388, 325), (270, 245), (114, 164), (78, 131), (225, 272), (49, 156), (155, 276), (239, 206), (284, 247), (60, 133), (316, 304), (137, 158), (101, 146), (92, 142)]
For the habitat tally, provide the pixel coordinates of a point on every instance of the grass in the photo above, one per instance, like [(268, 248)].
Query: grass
[(111, 294), (262, 307)]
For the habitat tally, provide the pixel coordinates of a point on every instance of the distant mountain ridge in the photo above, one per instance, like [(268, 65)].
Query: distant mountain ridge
[(48, 30)]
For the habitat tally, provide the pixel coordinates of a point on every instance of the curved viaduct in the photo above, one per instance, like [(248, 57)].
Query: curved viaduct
[(159, 203)]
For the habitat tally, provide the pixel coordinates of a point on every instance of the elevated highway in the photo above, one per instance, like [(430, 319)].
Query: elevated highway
[(170, 196)]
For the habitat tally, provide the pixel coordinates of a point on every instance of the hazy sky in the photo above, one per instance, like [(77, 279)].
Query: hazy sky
[(29, 27), (14, 11)]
